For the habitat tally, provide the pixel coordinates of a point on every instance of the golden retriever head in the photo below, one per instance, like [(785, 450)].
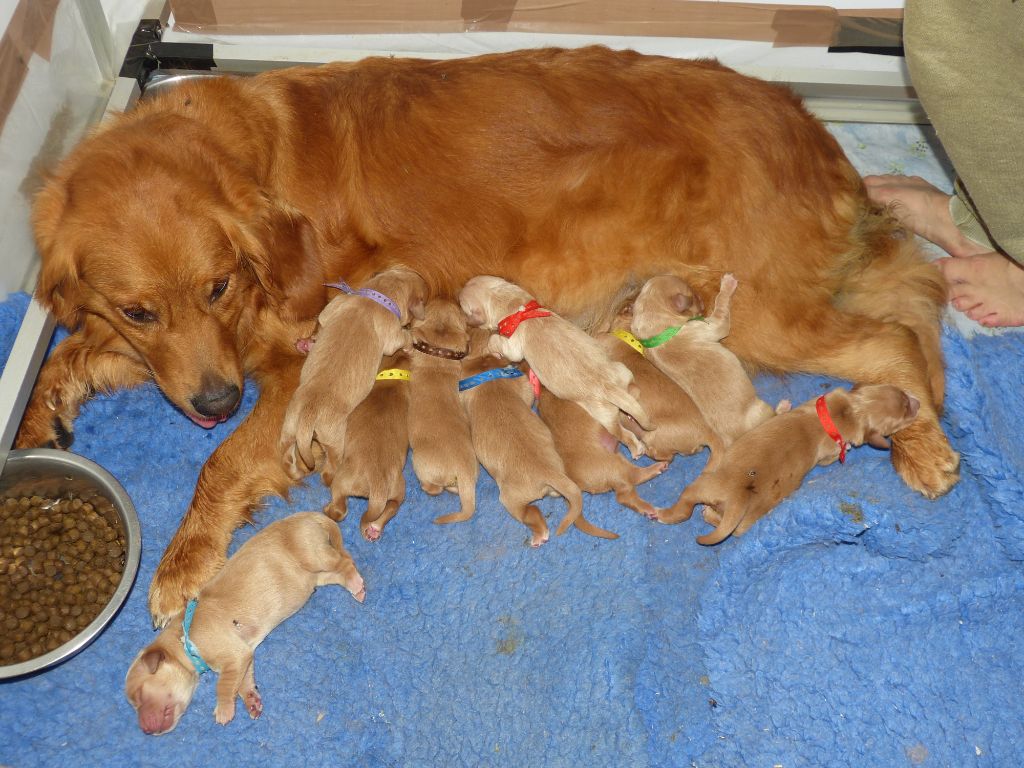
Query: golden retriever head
[(167, 242), (870, 413)]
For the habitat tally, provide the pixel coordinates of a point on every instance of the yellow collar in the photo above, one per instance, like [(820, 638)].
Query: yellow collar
[(393, 374), (630, 339)]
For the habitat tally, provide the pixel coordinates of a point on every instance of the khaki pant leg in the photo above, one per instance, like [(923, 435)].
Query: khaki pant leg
[(966, 62)]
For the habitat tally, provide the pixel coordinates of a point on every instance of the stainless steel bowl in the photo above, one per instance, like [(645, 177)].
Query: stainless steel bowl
[(50, 472)]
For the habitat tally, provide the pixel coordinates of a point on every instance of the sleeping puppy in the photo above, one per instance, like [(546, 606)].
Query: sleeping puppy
[(268, 579), (685, 346), (569, 362), (769, 462), (355, 331), (514, 445), (376, 446), (442, 448), (681, 427), (591, 455)]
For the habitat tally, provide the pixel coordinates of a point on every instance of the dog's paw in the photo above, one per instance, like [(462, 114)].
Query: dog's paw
[(372, 532), (923, 457), (47, 423), (185, 567), (225, 712), (728, 284), (253, 703)]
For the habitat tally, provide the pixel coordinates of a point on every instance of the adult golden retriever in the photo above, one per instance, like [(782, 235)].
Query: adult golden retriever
[(189, 240)]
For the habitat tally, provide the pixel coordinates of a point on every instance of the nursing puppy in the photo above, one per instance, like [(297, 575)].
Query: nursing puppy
[(769, 462), (354, 333), (591, 455), (268, 579), (569, 362), (685, 346), (442, 448), (680, 426), (376, 446), (516, 448)]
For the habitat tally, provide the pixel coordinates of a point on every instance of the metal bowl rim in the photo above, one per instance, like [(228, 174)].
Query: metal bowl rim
[(133, 540)]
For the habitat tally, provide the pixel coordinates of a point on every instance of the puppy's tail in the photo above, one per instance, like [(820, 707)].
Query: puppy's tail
[(467, 501), (732, 514), (574, 498)]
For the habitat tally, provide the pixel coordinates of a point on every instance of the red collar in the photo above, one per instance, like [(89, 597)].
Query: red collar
[(508, 325), (830, 426)]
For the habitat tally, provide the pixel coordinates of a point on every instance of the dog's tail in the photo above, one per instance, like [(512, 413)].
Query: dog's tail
[(732, 515), (628, 404), (891, 280), (574, 498), (467, 503)]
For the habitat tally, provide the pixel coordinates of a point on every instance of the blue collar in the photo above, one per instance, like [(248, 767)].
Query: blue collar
[(508, 372), (190, 648)]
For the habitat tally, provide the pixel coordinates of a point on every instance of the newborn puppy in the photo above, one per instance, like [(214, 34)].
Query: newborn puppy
[(681, 427), (591, 455), (269, 578), (355, 332), (569, 362), (515, 446), (376, 446), (769, 462), (685, 346), (442, 448)]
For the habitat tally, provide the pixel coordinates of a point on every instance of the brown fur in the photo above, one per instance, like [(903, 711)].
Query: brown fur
[(376, 447), (680, 426), (766, 464), (442, 448), (354, 333), (694, 359), (268, 579), (591, 454), (566, 360), (517, 449), (577, 174)]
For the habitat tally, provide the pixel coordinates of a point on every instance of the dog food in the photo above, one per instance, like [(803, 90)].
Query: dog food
[(61, 558)]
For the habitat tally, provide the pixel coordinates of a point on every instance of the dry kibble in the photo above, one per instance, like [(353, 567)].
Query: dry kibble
[(60, 561)]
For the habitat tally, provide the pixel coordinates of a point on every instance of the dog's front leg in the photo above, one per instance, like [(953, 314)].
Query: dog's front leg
[(232, 679), (243, 470), (93, 359)]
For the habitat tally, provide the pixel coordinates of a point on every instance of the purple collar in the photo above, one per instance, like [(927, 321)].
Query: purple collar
[(369, 293)]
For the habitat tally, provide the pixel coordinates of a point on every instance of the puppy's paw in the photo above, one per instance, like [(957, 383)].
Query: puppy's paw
[(225, 712), (253, 703), (784, 406), (728, 284), (185, 567), (372, 532)]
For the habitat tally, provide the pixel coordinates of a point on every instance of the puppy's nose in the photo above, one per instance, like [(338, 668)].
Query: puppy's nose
[(217, 398)]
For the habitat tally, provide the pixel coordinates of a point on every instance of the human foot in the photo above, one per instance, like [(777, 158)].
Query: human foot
[(988, 288), (922, 208)]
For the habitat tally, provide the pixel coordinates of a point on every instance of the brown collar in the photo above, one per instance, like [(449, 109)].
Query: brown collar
[(447, 354)]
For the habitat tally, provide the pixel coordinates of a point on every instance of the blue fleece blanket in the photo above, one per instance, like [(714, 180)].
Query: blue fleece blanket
[(857, 625)]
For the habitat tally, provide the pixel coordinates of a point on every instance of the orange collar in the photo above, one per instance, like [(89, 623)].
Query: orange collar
[(830, 426), (507, 326)]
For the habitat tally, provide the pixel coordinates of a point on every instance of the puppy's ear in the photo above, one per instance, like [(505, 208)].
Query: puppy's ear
[(681, 302), (474, 317), (877, 439), (152, 659), (417, 308), (58, 286)]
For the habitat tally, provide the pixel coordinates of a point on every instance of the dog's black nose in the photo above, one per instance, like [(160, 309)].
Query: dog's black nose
[(218, 399)]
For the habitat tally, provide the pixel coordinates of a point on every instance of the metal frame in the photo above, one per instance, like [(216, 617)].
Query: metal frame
[(843, 95)]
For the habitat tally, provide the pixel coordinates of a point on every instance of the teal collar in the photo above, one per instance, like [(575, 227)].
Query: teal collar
[(190, 648)]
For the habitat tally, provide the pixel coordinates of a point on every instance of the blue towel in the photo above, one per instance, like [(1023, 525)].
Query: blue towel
[(857, 625)]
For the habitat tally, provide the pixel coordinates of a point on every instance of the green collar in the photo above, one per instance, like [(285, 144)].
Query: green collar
[(661, 338)]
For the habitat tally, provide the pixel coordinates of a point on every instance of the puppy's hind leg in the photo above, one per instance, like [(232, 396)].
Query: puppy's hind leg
[(527, 514), (337, 567), (377, 515)]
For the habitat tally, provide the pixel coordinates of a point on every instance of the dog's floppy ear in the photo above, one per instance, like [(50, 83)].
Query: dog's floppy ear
[(474, 317), (58, 287)]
